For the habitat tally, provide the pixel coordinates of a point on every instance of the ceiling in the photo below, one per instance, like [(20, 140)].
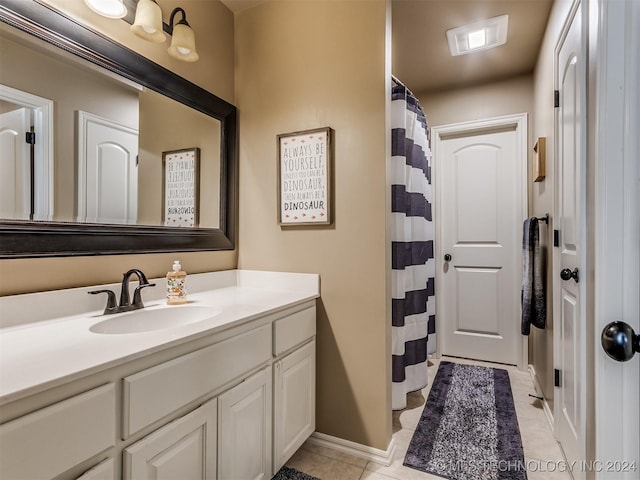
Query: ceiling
[(239, 5), (420, 53), (421, 58)]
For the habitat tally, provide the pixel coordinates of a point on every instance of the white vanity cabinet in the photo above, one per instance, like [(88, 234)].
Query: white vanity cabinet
[(153, 393), (232, 404), (260, 422), (185, 448), (294, 384)]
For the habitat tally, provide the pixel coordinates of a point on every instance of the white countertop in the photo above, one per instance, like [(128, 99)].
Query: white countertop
[(37, 353)]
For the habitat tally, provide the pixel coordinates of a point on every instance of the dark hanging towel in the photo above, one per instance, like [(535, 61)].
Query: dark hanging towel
[(533, 298)]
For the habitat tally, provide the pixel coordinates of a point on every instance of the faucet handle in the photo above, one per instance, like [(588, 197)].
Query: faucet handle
[(137, 296), (112, 305)]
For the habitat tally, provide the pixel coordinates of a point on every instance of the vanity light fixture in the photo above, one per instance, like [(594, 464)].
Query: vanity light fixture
[(107, 8), (478, 36), (148, 22), (148, 25), (183, 39)]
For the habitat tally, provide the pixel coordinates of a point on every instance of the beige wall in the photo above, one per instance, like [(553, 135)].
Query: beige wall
[(213, 24), (303, 65), (542, 195), (506, 97), (165, 126)]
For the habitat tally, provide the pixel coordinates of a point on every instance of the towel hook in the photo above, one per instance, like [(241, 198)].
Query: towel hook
[(544, 219)]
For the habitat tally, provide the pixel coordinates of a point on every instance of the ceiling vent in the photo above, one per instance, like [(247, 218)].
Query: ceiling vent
[(478, 36)]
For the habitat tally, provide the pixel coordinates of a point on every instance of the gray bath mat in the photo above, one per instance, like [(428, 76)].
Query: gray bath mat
[(288, 473), (468, 429)]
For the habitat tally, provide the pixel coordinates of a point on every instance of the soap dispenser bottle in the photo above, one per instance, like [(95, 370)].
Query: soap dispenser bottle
[(176, 285)]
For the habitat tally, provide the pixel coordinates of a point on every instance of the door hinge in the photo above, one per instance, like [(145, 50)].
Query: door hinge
[(556, 237), (556, 378), (556, 98), (30, 137)]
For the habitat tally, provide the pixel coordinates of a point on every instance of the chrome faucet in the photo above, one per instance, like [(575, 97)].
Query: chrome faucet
[(125, 303)]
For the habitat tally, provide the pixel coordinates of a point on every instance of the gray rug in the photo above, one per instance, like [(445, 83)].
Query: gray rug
[(288, 473), (468, 429)]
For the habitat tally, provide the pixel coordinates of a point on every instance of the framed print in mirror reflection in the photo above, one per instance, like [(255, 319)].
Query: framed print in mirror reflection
[(304, 177), (180, 187)]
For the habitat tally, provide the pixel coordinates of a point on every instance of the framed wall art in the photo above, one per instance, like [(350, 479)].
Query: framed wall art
[(180, 187), (304, 177)]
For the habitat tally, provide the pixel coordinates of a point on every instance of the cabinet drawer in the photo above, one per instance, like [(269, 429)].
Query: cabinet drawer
[(293, 330), (151, 394), (50, 441)]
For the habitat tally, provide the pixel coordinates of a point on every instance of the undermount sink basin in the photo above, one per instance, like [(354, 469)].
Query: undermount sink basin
[(150, 319)]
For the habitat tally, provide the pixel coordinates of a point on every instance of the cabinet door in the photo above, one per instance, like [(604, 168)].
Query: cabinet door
[(244, 434), (294, 402), (184, 449), (103, 471)]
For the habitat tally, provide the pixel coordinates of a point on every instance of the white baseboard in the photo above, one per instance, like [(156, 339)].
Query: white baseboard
[(383, 457), (545, 404)]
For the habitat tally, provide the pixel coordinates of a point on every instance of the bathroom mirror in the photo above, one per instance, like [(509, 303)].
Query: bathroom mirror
[(152, 105)]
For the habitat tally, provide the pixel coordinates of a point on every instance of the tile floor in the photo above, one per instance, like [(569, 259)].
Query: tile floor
[(542, 453)]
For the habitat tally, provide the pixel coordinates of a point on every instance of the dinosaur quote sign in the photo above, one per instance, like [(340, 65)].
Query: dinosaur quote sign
[(304, 177)]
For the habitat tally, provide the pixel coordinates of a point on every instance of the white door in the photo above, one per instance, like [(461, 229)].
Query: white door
[(107, 171), (40, 113), (480, 186), (569, 311), (244, 436), (617, 244), (184, 449), (15, 165)]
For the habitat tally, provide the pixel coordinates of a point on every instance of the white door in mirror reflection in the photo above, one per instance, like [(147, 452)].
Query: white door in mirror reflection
[(107, 171), (27, 181), (15, 165)]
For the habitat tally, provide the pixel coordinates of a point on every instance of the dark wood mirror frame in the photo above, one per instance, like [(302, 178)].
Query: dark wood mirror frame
[(22, 239)]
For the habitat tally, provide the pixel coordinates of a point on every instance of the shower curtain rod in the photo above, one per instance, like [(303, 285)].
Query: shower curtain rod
[(400, 84)]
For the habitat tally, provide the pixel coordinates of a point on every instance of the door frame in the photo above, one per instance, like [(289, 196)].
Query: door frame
[(615, 216), (520, 123)]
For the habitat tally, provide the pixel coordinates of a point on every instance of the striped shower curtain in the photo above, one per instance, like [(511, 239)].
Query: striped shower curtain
[(413, 270)]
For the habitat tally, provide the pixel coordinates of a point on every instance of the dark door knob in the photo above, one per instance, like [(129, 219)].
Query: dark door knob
[(447, 257), (567, 274), (619, 341)]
